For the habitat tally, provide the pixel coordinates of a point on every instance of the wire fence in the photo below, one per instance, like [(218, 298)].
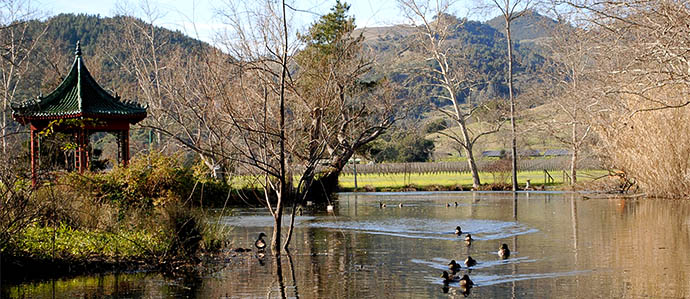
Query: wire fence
[(550, 164)]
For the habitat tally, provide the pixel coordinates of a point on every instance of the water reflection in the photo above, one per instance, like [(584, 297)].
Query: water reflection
[(561, 246)]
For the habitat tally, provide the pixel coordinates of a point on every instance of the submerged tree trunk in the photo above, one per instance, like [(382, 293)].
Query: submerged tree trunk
[(277, 225), (283, 186)]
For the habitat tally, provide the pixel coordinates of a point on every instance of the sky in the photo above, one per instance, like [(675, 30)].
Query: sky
[(181, 14)]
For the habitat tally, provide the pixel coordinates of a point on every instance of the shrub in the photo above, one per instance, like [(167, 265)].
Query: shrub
[(148, 181), (641, 147)]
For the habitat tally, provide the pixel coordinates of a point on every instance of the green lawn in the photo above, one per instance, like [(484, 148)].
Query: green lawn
[(450, 179)]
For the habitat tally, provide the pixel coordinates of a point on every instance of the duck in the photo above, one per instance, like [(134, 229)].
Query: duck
[(448, 205), (504, 252), (469, 261), (465, 281), (400, 205), (453, 266), (448, 278), (382, 205), (468, 238), (260, 243), (456, 203), (458, 230)]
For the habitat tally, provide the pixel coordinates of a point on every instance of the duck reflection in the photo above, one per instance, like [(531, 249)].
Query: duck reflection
[(465, 290)]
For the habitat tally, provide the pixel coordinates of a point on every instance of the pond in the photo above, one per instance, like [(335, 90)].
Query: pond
[(562, 245)]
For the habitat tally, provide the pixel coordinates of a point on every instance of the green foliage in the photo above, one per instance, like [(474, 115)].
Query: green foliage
[(148, 181), (330, 28), (401, 147), (137, 213), (436, 125), (66, 243), (185, 228), (415, 148)]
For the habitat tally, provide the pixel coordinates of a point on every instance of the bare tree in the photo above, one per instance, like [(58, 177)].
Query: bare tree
[(144, 43), (18, 41), (567, 84), (641, 79), (451, 71), (255, 101), (510, 11)]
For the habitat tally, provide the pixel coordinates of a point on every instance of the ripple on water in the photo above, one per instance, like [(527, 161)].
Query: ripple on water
[(487, 280), (431, 228), (262, 221)]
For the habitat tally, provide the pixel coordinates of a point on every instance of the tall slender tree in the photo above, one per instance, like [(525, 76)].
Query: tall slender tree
[(511, 10), (452, 71)]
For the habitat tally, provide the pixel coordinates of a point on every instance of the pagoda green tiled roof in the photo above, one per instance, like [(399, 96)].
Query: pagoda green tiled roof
[(78, 96)]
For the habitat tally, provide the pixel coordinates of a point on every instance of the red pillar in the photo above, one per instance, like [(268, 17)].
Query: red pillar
[(125, 144), (87, 152), (34, 175), (81, 151), (75, 135)]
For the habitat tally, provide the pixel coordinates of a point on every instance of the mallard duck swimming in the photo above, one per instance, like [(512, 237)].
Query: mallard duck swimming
[(469, 261), (260, 243), (453, 266), (468, 238), (504, 252), (448, 278), (465, 281), (458, 230)]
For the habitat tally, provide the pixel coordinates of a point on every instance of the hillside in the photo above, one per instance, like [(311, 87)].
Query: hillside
[(397, 57), (104, 43), (105, 48), (530, 27)]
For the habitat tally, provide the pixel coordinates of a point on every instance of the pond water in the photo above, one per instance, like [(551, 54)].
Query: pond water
[(562, 246)]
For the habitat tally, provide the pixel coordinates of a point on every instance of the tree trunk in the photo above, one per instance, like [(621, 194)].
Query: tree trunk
[(573, 167), (573, 160), (324, 186), (473, 168), (470, 155), (283, 187), (513, 148), (277, 225), (4, 127)]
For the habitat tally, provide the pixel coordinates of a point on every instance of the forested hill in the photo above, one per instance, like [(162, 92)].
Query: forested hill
[(106, 47), (108, 53), (396, 53), (530, 27)]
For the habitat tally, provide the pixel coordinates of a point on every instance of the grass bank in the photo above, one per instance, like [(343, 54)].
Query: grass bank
[(145, 216), (453, 181)]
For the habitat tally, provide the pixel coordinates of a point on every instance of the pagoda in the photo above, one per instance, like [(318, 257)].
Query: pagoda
[(79, 107)]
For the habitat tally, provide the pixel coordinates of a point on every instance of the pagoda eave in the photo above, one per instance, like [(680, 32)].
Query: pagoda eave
[(131, 118)]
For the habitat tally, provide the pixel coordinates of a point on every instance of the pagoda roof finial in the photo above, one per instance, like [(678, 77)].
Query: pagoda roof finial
[(78, 50)]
